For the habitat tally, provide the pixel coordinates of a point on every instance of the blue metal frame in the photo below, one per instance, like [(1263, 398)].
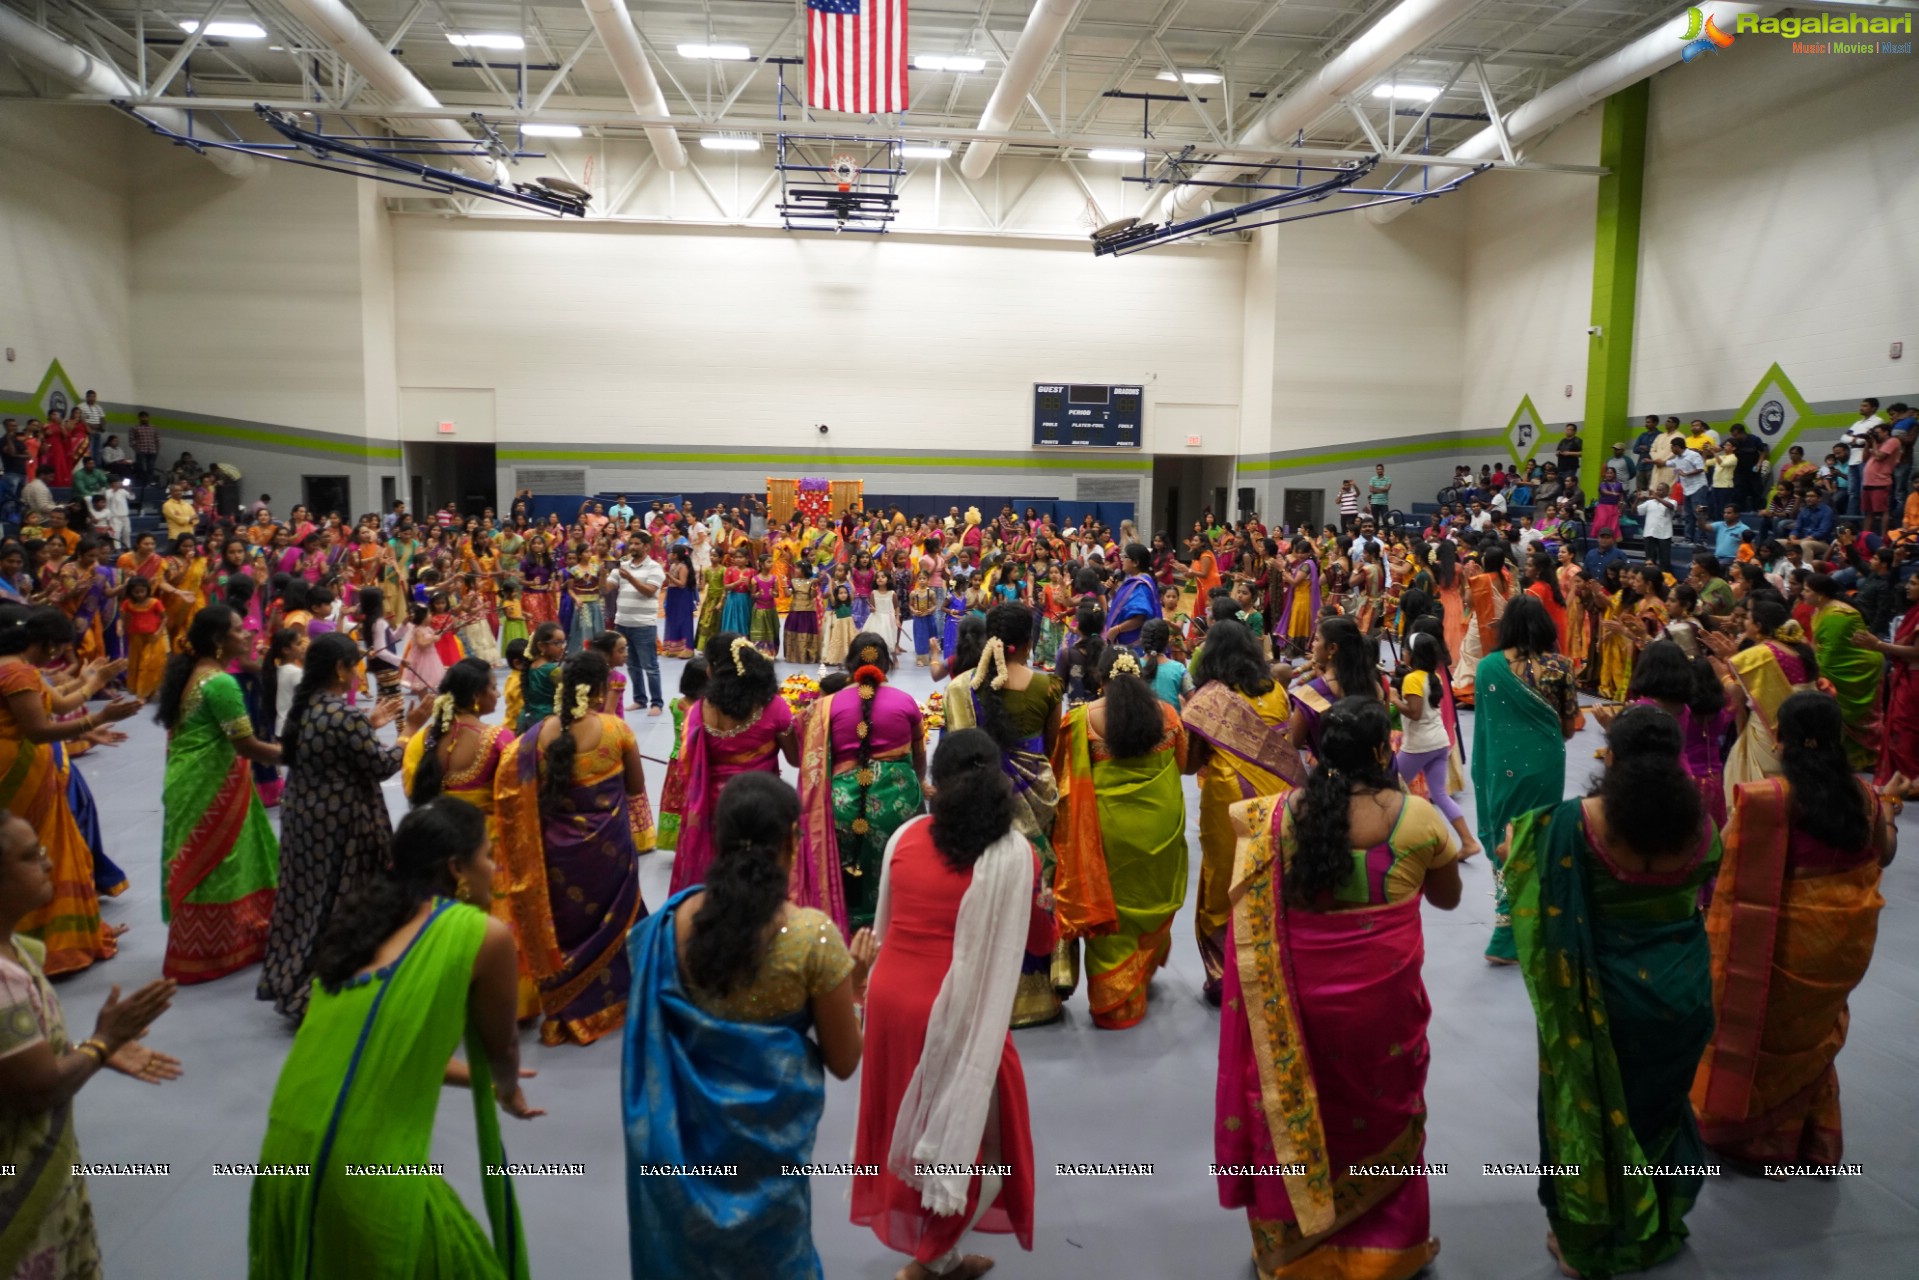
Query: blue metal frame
[(387, 157)]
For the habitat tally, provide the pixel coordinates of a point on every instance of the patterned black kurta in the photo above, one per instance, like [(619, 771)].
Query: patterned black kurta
[(334, 838)]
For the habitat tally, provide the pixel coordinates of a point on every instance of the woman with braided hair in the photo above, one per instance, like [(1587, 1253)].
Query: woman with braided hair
[(1020, 708), (862, 755), (456, 753), (562, 794), (1120, 840), (741, 724)]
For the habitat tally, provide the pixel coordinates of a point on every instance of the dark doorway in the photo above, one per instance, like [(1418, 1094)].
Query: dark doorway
[(1303, 508), (462, 474), (327, 494), (389, 493)]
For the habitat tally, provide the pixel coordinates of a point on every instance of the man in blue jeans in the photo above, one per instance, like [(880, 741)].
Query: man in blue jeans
[(636, 615)]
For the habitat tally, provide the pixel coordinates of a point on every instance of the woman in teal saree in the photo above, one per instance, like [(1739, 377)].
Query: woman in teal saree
[(1527, 706), (408, 971), (1604, 896)]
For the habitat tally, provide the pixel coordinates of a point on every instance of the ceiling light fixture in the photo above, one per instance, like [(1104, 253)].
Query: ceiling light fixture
[(486, 40), (1193, 77), (716, 52), (729, 142), (1122, 155), (550, 130), (231, 30), (1409, 92), (948, 62), (925, 151)]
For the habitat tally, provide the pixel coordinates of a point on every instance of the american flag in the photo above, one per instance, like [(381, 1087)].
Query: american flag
[(856, 55)]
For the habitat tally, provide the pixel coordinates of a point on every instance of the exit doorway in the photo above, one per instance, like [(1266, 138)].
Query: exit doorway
[(462, 474), (1185, 487)]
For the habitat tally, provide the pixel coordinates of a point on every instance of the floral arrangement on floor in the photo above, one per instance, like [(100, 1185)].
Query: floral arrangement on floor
[(800, 691), (933, 712)]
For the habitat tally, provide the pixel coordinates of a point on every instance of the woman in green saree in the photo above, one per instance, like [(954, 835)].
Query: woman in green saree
[(1527, 707), (1120, 836), (408, 971), (1855, 671), (1606, 919)]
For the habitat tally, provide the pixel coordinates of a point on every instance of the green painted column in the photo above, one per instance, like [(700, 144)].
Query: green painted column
[(1622, 150)]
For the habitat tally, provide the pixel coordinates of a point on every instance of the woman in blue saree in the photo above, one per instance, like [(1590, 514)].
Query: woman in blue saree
[(1604, 897), (719, 1069), (1135, 601)]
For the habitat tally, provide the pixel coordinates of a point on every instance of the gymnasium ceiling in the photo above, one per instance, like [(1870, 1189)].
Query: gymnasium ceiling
[(1259, 47)]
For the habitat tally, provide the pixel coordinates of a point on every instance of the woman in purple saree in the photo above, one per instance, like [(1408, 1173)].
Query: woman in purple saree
[(1324, 1148), (741, 725), (566, 853)]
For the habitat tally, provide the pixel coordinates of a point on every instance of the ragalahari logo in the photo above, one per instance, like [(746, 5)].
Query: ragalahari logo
[(1702, 35)]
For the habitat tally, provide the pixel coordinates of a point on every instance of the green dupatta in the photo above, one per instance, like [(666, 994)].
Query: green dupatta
[(1519, 764), (361, 1087), (1608, 989)]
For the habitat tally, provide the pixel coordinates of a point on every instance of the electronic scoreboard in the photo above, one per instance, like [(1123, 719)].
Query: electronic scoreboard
[(1081, 415)]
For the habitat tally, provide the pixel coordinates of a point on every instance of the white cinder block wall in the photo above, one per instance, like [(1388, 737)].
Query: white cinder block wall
[(1782, 208), (66, 247), (628, 336)]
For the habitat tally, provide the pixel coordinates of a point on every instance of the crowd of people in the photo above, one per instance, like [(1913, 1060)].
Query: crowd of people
[(940, 874)]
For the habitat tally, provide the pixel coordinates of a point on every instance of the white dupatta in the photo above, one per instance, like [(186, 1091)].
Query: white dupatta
[(943, 1115)]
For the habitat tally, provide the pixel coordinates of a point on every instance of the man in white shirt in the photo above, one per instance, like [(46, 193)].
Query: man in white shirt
[(636, 615), (1690, 466), (1499, 502), (36, 497), (1655, 525), (119, 513), (1482, 519), (1856, 440), (1529, 537), (94, 414)]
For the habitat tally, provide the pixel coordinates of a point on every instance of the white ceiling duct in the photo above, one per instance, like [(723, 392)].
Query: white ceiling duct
[(335, 26), (1044, 26), (55, 56), (1654, 51), (1378, 49), (615, 27)]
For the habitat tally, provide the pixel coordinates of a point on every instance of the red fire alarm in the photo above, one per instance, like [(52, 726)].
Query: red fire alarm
[(446, 428), (1192, 442)]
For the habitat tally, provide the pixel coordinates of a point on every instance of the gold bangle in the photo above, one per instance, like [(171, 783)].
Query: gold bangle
[(94, 1048)]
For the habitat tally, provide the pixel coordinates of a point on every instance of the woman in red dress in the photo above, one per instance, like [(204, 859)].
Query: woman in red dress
[(942, 1097)]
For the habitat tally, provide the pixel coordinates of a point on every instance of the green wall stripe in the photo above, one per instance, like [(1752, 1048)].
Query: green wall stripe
[(1615, 291), (948, 461), (1377, 453), (261, 436)]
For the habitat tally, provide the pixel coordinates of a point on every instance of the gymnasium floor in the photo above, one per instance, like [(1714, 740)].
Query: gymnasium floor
[(1144, 1095)]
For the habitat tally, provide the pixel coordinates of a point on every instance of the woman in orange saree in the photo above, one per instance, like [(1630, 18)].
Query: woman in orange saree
[(1794, 917), (1322, 1047), (183, 586), (33, 784), (1486, 595)]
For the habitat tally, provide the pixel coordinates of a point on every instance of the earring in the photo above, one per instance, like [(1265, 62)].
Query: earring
[(463, 893)]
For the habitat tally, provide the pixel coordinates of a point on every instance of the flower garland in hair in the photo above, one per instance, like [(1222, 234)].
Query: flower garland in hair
[(993, 654), (443, 710), (1125, 664), (740, 645), (582, 701)]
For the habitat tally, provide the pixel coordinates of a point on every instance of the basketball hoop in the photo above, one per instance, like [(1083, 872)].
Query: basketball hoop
[(845, 171)]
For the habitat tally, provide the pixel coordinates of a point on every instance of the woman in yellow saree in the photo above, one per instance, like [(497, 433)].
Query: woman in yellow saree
[(184, 580), (1636, 613), (456, 753), (1771, 663), (1794, 917), (1120, 836), (1240, 718)]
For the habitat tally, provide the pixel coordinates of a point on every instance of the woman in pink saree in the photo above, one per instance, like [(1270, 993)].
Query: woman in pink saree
[(1324, 1148), (741, 725)]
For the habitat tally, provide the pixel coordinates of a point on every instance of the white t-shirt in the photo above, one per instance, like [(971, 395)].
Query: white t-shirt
[(1655, 519), (91, 414), (1691, 466), (1530, 537), (287, 679), (1855, 440), (1428, 732), (633, 609)]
